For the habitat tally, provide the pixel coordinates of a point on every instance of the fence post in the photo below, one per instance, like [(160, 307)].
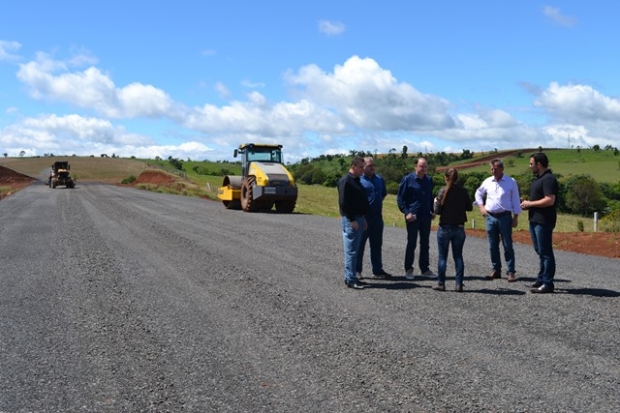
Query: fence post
[(596, 222)]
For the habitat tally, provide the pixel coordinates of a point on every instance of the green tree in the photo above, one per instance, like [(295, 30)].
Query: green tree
[(471, 184), (318, 176), (584, 195), (304, 173)]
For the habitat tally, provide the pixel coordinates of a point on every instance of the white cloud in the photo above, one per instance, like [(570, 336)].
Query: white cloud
[(554, 14), (92, 89), (366, 96), (331, 28), (578, 102), (222, 90), (252, 85), (74, 134), (6, 48)]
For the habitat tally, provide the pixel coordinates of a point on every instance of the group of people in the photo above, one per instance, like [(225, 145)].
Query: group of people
[(361, 193)]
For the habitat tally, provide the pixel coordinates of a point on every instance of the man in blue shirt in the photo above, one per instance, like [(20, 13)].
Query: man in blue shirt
[(501, 208), (376, 191), (415, 201)]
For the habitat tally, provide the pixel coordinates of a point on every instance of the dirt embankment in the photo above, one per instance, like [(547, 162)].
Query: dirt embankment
[(13, 180)]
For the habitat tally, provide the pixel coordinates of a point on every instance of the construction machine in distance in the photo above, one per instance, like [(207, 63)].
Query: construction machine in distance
[(59, 175), (264, 181)]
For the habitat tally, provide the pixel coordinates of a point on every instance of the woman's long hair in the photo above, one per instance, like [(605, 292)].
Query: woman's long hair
[(452, 175)]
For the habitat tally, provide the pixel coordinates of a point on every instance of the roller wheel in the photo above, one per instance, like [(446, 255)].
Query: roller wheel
[(247, 197), (235, 204)]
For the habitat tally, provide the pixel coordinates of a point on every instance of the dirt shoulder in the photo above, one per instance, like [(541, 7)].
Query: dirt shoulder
[(604, 244)]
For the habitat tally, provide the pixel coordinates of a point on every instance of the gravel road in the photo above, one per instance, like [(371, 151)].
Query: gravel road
[(119, 300)]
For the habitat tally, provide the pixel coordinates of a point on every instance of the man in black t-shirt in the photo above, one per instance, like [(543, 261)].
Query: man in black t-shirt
[(542, 212)]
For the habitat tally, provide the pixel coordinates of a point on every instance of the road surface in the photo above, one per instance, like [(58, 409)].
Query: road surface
[(120, 300)]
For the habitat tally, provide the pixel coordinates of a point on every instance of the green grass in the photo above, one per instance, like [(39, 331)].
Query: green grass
[(602, 166)]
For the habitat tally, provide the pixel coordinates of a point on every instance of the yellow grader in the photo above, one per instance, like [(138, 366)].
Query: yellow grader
[(264, 181), (59, 175)]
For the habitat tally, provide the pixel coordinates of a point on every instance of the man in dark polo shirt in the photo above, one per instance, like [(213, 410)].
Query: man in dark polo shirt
[(542, 212), (353, 204)]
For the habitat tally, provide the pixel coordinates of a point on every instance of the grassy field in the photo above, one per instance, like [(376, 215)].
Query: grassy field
[(109, 170), (601, 165), (313, 199)]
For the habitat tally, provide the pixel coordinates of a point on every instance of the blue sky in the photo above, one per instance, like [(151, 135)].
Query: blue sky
[(194, 79)]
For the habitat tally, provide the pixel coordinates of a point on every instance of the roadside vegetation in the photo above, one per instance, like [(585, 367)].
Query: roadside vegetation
[(589, 179)]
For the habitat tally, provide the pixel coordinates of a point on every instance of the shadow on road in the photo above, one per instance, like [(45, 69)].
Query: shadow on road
[(595, 292), (393, 285), (502, 291)]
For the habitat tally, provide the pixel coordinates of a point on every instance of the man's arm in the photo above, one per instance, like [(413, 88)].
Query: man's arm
[(515, 199), (384, 192), (400, 196), (479, 196)]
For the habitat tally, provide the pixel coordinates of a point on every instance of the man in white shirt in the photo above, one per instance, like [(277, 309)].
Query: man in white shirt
[(499, 202)]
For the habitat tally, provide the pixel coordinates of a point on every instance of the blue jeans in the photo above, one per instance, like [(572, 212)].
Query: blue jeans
[(455, 235), (542, 239), (374, 234), (496, 227), (351, 240), (424, 229)]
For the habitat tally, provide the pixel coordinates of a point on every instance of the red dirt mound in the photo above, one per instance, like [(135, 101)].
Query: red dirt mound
[(9, 176), (155, 177)]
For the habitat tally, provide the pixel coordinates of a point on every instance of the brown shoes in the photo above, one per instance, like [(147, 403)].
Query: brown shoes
[(459, 288), (512, 277), (493, 275)]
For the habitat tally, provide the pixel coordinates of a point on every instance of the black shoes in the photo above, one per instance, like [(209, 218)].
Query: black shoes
[(494, 275), (382, 275), (459, 288), (356, 285), (439, 287), (536, 284), (543, 289)]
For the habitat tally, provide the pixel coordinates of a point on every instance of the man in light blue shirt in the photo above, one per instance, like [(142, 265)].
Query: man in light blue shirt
[(499, 202)]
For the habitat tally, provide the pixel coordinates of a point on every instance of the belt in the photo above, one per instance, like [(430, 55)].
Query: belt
[(499, 214)]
